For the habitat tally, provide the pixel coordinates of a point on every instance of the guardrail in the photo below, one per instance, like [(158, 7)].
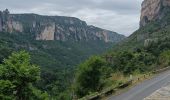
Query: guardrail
[(110, 90)]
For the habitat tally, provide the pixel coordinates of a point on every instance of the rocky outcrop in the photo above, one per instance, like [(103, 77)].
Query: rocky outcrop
[(55, 28), (14, 26), (152, 10), (101, 34), (149, 42), (8, 24), (47, 33)]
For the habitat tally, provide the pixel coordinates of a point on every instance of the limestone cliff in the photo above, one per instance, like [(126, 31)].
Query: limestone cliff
[(152, 10), (9, 25), (154, 31), (55, 28), (14, 26), (47, 33)]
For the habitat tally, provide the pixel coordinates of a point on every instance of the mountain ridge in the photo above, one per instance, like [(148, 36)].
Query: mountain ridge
[(56, 48), (55, 28), (152, 10)]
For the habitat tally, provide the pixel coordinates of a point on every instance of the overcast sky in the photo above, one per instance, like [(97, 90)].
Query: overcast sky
[(121, 16)]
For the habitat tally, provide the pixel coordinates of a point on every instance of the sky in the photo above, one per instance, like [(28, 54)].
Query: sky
[(121, 16)]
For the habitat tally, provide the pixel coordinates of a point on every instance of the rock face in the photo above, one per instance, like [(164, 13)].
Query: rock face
[(55, 28), (152, 10), (149, 42), (14, 26), (47, 33)]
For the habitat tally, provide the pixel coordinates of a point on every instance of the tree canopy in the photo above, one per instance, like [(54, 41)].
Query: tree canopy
[(88, 76), (16, 77)]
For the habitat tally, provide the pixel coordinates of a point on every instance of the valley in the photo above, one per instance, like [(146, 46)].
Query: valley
[(56, 47), (63, 58)]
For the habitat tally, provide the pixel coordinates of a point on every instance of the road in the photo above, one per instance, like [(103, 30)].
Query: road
[(144, 89)]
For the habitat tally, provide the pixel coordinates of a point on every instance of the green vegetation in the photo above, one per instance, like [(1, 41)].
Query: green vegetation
[(157, 30), (96, 73), (145, 50), (88, 76), (131, 62), (164, 58), (17, 75), (57, 59), (122, 65)]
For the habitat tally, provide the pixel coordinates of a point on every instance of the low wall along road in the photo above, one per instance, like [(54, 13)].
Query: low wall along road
[(110, 90)]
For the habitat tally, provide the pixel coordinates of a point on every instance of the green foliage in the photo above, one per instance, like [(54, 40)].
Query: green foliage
[(130, 62), (39, 95), (4, 53), (6, 90), (56, 58), (157, 48), (121, 59), (88, 76), (17, 75), (164, 58), (64, 96), (133, 57)]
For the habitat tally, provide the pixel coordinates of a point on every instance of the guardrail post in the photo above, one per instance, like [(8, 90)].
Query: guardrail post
[(110, 91), (131, 77)]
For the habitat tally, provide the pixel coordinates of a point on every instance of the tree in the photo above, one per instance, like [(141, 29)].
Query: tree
[(88, 76), (4, 52), (6, 90), (121, 59), (164, 58), (17, 75)]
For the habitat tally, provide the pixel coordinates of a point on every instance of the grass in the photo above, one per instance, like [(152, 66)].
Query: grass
[(139, 78), (118, 78)]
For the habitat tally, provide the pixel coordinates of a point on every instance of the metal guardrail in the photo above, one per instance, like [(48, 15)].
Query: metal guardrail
[(112, 89)]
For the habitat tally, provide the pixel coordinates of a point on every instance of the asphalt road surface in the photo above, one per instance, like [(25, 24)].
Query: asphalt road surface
[(140, 91)]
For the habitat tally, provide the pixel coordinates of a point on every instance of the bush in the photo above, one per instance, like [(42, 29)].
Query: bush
[(164, 58), (88, 76), (17, 75)]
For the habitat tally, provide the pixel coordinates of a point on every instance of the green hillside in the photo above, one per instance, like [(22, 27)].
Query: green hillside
[(57, 59), (147, 49), (157, 30)]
